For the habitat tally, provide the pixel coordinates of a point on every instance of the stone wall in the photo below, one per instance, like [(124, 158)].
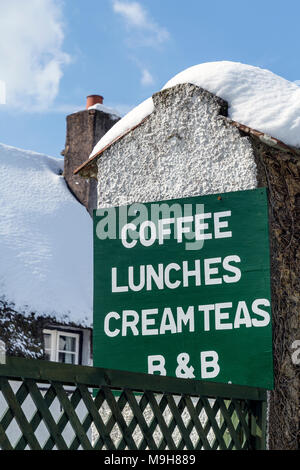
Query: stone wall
[(279, 171), (184, 148)]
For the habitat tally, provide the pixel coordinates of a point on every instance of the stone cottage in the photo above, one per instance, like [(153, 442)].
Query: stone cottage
[(188, 146)]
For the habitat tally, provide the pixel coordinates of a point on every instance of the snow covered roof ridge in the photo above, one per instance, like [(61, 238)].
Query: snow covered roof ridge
[(257, 98)]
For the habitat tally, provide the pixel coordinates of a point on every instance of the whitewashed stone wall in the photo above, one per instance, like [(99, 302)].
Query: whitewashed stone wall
[(186, 147)]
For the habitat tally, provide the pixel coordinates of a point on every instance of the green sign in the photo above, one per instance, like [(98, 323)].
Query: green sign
[(182, 288)]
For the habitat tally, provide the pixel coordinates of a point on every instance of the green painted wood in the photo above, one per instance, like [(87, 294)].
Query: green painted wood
[(182, 407), (119, 418), (196, 422), (75, 398), (241, 418), (158, 416), (143, 403), (153, 424), (227, 436), (19, 414), (173, 423), (45, 372), (257, 429), (4, 442), (210, 412), (228, 419), (247, 239), (122, 402), (140, 418), (179, 422), (101, 428), (8, 416), (46, 415), (100, 401), (37, 418), (63, 420), (73, 418), (214, 412), (238, 423)]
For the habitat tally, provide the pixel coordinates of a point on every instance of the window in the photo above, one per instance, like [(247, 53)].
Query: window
[(61, 346)]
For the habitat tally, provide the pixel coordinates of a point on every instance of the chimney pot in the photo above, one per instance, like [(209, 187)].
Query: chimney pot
[(93, 99)]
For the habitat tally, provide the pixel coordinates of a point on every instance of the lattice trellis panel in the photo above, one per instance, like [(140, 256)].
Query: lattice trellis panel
[(40, 410)]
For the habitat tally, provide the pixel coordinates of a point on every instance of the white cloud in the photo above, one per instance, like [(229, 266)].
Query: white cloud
[(147, 78), (138, 19), (31, 55), (133, 13)]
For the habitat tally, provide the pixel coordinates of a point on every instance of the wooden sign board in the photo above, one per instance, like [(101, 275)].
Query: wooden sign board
[(182, 288)]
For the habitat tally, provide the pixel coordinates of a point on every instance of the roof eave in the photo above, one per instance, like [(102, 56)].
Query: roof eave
[(266, 138)]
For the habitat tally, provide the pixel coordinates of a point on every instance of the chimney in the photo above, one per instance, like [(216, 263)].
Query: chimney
[(93, 99), (84, 129)]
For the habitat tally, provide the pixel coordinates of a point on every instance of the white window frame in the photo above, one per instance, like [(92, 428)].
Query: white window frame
[(54, 343)]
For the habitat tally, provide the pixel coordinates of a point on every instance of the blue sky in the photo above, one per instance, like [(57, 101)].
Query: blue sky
[(54, 53)]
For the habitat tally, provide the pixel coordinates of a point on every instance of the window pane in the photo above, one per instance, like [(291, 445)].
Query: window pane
[(67, 358), (67, 343), (47, 340)]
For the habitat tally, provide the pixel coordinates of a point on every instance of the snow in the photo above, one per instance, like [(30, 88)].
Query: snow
[(256, 97), (114, 114), (45, 239), (131, 119)]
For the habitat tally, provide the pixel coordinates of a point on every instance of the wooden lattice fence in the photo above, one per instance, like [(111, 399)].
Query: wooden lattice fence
[(46, 405)]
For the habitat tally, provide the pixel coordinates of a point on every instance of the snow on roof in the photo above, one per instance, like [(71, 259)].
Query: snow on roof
[(114, 114), (130, 120), (256, 97), (42, 227)]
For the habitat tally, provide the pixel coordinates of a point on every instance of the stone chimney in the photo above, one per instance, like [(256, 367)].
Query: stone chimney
[(84, 129)]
